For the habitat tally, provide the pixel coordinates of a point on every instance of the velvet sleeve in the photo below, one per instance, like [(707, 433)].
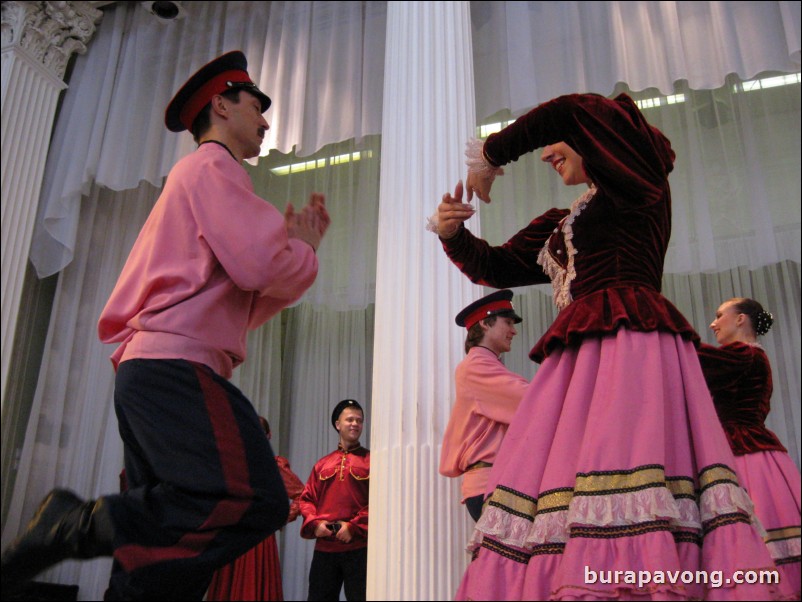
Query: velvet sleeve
[(723, 366), (512, 264), (622, 154)]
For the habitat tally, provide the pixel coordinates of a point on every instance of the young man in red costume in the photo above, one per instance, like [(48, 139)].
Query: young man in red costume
[(334, 505)]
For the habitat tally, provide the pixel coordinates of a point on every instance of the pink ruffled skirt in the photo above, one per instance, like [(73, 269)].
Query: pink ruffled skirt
[(773, 482), (615, 480)]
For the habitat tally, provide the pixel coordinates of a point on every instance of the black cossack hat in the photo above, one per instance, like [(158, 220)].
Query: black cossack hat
[(344, 404), (226, 72), (498, 303)]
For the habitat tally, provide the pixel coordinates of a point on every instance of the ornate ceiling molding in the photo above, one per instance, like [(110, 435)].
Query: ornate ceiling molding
[(49, 32)]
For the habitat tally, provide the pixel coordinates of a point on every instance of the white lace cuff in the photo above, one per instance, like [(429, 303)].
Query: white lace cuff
[(477, 163), (431, 223)]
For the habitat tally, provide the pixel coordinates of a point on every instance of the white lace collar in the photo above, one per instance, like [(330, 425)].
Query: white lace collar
[(561, 277)]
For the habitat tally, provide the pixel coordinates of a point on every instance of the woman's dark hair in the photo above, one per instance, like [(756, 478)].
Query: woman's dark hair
[(203, 121), (476, 333), (760, 319)]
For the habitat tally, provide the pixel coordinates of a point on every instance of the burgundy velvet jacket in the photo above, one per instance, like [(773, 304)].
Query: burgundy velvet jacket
[(620, 236), (739, 378)]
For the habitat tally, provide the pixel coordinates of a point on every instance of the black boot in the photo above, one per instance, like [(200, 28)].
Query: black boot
[(63, 527)]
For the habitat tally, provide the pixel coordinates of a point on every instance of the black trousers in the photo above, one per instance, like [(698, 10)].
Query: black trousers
[(474, 505), (203, 485), (331, 570)]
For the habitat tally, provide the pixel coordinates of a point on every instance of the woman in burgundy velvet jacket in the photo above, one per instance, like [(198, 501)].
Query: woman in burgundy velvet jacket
[(738, 375), (609, 463)]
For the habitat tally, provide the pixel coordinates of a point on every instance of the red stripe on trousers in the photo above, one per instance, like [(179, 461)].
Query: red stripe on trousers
[(233, 460)]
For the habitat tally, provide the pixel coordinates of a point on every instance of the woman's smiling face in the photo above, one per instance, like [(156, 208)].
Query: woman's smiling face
[(728, 323), (565, 162)]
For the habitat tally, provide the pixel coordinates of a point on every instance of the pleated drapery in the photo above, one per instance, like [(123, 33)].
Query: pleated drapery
[(320, 62), (736, 202)]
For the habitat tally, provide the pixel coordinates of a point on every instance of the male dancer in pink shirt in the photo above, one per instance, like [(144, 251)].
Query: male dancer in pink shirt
[(487, 396), (212, 261)]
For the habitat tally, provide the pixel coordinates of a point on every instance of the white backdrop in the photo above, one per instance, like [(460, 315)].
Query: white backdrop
[(736, 193)]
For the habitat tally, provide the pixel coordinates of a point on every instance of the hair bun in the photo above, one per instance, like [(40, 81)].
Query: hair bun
[(763, 322)]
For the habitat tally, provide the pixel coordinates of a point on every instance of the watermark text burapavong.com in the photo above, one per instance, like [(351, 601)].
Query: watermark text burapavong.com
[(713, 578)]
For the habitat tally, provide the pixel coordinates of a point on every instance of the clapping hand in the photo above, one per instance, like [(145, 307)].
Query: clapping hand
[(311, 223)]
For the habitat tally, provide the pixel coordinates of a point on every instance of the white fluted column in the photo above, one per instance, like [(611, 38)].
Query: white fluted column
[(38, 40), (418, 529)]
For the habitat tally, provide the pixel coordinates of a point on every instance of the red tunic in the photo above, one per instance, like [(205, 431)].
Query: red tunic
[(621, 235), (337, 490), (739, 378)]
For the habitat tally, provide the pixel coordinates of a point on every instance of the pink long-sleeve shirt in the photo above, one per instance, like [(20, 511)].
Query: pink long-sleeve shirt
[(488, 395), (212, 261)]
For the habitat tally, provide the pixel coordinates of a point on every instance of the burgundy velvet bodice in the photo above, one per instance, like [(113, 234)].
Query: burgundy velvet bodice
[(620, 236), (739, 378)]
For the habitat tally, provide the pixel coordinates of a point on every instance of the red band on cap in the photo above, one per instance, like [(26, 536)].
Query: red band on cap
[(201, 98), (482, 312)]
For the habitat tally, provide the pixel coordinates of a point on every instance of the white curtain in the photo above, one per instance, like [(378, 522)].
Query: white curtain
[(70, 439), (528, 52), (349, 179), (736, 194), (320, 62), (735, 185)]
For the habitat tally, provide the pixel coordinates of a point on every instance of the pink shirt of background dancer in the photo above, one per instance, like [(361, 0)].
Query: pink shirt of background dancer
[(238, 268), (487, 396)]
